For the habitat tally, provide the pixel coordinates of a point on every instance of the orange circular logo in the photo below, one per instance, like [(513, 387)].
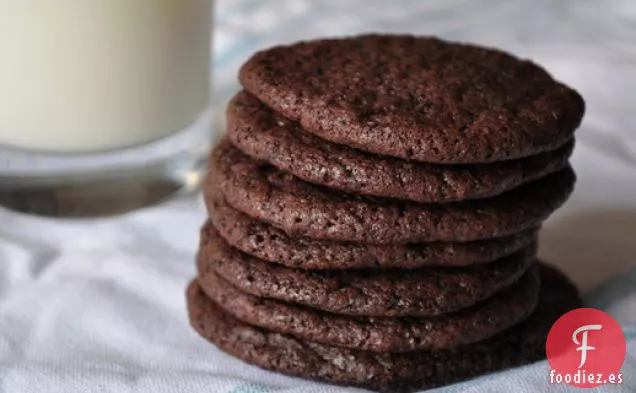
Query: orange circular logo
[(586, 348)]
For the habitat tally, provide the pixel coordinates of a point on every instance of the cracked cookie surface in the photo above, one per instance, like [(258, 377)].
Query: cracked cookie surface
[(271, 244), (418, 98), (303, 209), (387, 372), (476, 323), (379, 292), (264, 135)]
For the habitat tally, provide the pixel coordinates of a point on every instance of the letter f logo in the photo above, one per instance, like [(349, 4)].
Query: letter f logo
[(584, 347), (569, 344)]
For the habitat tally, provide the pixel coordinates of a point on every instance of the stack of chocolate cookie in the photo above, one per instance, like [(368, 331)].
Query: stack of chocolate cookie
[(374, 212)]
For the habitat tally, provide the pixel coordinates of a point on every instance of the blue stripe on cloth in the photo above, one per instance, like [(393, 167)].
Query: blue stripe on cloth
[(611, 290), (250, 388), (630, 333)]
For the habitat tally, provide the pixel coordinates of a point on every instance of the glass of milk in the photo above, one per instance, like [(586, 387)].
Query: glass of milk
[(104, 104)]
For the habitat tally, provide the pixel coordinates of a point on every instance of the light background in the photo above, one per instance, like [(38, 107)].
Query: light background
[(98, 305)]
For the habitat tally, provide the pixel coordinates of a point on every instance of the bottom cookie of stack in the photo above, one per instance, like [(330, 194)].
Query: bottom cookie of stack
[(395, 372)]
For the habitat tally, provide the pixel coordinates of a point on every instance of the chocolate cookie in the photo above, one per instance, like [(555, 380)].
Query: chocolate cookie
[(303, 209), (387, 372), (379, 293), (473, 324), (259, 132), (418, 98), (273, 245)]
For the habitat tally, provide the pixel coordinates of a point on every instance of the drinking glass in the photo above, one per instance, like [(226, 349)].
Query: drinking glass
[(104, 104)]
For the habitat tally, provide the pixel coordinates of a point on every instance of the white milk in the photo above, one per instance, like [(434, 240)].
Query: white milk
[(89, 75)]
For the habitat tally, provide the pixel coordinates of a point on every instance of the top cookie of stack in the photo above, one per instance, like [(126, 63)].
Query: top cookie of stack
[(385, 152)]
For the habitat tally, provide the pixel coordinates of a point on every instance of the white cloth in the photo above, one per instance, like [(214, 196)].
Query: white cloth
[(98, 305)]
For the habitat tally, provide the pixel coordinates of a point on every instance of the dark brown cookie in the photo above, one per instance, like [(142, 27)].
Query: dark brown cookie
[(378, 293), (273, 245), (483, 320), (416, 98), (299, 208), (263, 135), (403, 372)]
